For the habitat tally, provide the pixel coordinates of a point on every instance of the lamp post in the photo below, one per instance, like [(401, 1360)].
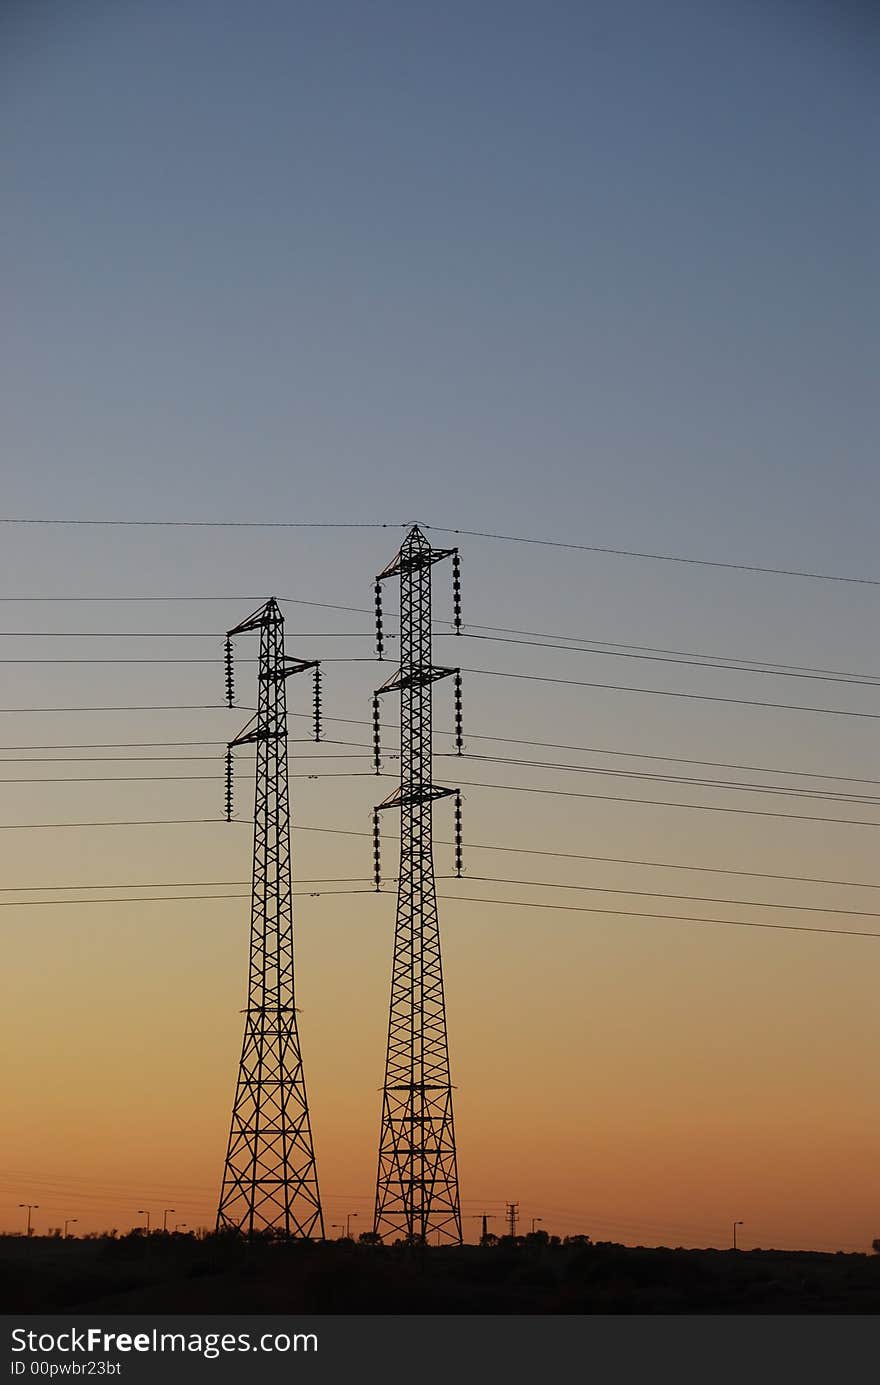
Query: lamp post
[(142, 1212), (178, 1225), (534, 1219), (735, 1225), (337, 1226), (348, 1218), (165, 1217), (31, 1206), (69, 1221)]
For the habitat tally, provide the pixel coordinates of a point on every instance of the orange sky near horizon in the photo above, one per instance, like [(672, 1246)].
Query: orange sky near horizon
[(629, 1079)]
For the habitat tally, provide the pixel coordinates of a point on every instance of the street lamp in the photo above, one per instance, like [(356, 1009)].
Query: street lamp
[(178, 1224), (69, 1222), (31, 1206), (534, 1219), (142, 1212), (348, 1218), (735, 1225), (165, 1217), (337, 1226)]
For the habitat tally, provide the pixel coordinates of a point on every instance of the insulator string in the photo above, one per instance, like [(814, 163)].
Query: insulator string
[(230, 677), (459, 858), (228, 783), (459, 735), (380, 642), (377, 739), (317, 702), (377, 865), (456, 591)]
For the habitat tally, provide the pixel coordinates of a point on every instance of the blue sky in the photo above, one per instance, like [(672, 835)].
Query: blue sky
[(574, 269), (604, 273)]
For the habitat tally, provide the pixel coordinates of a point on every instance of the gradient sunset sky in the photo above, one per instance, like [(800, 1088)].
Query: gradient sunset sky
[(603, 273)]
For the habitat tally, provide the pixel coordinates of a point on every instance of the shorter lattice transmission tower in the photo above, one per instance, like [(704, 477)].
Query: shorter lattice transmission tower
[(270, 1181), (417, 1183), (512, 1217)]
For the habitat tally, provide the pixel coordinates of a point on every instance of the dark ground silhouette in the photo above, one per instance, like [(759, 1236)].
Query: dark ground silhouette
[(164, 1273)]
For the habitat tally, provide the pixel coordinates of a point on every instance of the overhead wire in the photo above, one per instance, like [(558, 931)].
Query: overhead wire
[(472, 735), (668, 918), (473, 899), (613, 860), (362, 880), (811, 795), (656, 557), (765, 569), (669, 803), (472, 846), (666, 692), (694, 661), (689, 781)]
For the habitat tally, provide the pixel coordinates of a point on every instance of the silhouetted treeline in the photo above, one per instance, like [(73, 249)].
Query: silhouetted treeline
[(533, 1274)]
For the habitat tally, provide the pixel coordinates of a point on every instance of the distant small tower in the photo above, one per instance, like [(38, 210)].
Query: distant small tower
[(512, 1217)]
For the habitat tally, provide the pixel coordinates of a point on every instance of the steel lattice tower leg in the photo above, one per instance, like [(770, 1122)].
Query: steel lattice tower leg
[(270, 1180), (417, 1182)]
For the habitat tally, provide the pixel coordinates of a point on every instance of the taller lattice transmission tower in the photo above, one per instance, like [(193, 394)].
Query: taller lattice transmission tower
[(270, 1181), (417, 1182)]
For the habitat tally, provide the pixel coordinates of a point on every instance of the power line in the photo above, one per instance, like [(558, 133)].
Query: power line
[(618, 860), (658, 557), (149, 707), (207, 524), (574, 642), (113, 822), (720, 785), (508, 788), (471, 899), (149, 759), (440, 529), (229, 600), (695, 661), (505, 740), (684, 658), (670, 803), (165, 898), (161, 635), (143, 745), (669, 918), (484, 672), (667, 759), (472, 783), (146, 885), (539, 639), (176, 778), (361, 880), (472, 846), (663, 692), (659, 894), (782, 790)]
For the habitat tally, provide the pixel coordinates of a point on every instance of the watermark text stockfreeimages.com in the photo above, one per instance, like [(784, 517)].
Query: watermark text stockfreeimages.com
[(94, 1341)]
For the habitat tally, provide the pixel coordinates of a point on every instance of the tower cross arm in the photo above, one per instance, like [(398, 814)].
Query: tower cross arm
[(254, 732), (291, 665), (266, 614), (408, 795), (418, 677), (412, 559)]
